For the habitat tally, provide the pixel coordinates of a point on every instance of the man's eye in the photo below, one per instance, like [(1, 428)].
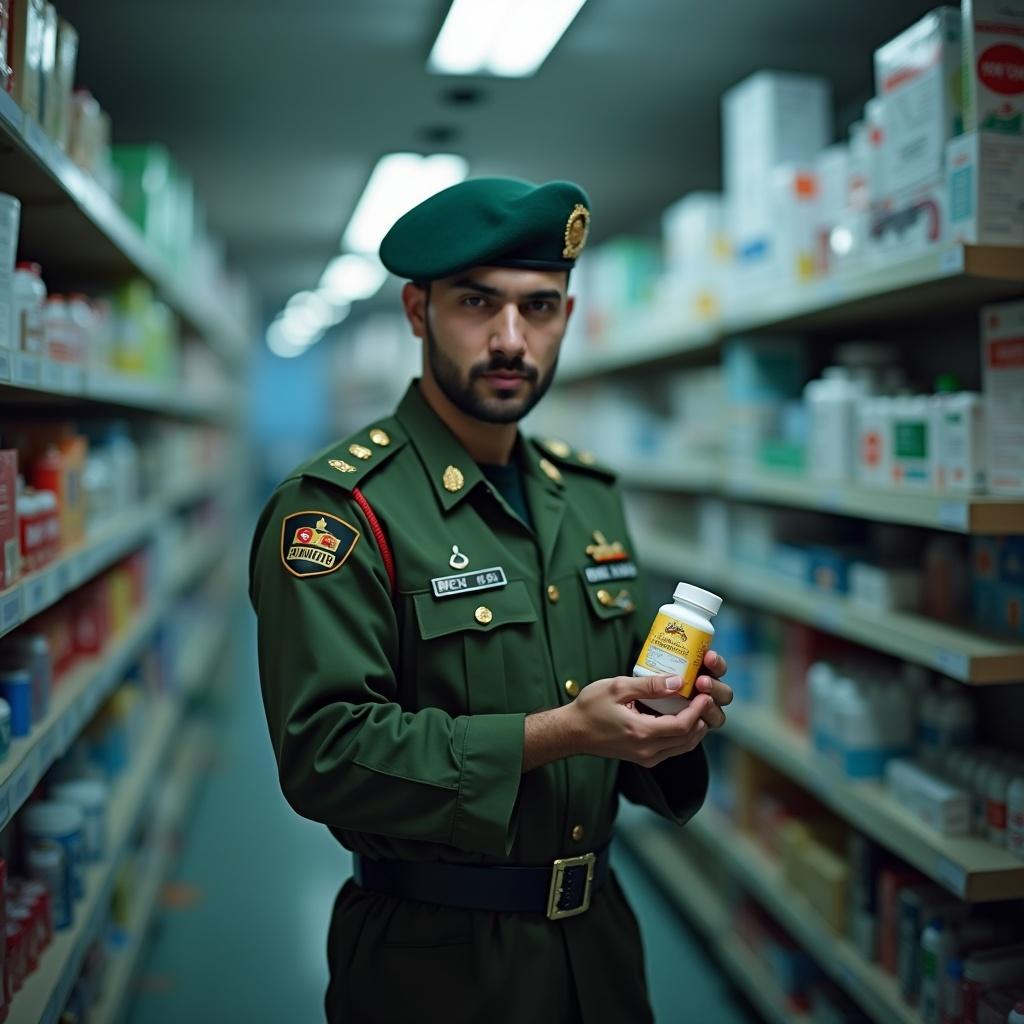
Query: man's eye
[(476, 301), (541, 306)]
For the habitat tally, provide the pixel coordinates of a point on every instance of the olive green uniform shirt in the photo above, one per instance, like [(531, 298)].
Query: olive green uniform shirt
[(397, 718)]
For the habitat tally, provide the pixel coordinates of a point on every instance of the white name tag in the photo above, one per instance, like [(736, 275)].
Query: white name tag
[(610, 571), (467, 582)]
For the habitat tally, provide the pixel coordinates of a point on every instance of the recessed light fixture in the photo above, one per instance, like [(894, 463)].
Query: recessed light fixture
[(508, 38)]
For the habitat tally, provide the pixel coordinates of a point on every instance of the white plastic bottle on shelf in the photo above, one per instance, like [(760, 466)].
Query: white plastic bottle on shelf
[(29, 305), (820, 680), (955, 717), (860, 743), (962, 451), (80, 321), (1015, 813), (832, 428), (843, 696)]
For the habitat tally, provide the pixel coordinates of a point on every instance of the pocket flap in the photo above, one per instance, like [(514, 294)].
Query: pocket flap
[(481, 611), (611, 600)]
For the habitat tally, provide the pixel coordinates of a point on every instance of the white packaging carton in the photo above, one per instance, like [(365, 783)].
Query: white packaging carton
[(769, 119), (915, 447), (697, 254), (1002, 368), (918, 79), (874, 442), (962, 443), (993, 45), (986, 189), (911, 222)]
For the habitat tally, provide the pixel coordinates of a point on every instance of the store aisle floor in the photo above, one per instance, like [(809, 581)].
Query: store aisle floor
[(255, 884)]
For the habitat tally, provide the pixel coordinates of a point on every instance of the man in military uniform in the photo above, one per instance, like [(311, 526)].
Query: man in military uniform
[(446, 610)]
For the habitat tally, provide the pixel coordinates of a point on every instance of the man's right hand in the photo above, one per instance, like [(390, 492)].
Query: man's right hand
[(607, 724), (604, 721)]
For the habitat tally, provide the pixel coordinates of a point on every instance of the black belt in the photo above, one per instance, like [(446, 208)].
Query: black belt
[(561, 890)]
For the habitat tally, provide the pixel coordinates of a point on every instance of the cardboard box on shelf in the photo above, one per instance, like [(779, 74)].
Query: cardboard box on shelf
[(986, 189), (1002, 366), (769, 119), (917, 78), (9, 550), (909, 223), (25, 53), (993, 47)]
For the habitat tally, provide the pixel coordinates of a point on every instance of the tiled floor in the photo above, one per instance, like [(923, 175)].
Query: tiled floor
[(250, 947)]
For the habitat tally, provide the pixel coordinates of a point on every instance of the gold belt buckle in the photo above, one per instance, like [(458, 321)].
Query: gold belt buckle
[(558, 870)]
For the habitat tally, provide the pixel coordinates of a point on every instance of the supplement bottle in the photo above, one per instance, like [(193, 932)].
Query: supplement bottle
[(677, 642)]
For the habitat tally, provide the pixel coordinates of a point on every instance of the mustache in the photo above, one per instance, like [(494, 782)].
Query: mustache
[(499, 363)]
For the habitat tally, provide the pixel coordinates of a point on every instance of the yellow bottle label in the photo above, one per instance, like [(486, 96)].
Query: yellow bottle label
[(674, 648)]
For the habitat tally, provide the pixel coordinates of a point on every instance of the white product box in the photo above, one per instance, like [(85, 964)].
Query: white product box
[(986, 189), (909, 223), (697, 255), (1002, 368), (886, 588), (915, 455), (874, 442), (769, 119), (993, 47), (917, 78), (943, 807), (962, 443), (795, 246), (10, 220)]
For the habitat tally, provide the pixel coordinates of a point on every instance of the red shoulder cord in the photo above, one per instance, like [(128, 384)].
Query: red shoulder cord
[(378, 535)]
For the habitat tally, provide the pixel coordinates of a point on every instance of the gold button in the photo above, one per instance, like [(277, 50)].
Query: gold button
[(605, 598), (577, 832), (572, 687), (587, 458), (553, 594), (550, 470), (559, 448), (380, 437), (341, 466), (483, 615), (360, 451)]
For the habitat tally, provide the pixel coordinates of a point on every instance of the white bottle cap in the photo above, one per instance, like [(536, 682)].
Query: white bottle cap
[(704, 599), (52, 819), (85, 793)]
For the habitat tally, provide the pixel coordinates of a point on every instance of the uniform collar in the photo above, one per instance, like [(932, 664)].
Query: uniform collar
[(439, 449)]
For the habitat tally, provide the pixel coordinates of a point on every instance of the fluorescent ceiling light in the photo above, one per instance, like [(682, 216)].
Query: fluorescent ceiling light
[(350, 278), (399, 182), (311, 311), (510, 38)]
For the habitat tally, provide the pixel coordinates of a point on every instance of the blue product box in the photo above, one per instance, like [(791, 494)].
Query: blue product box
[(792, 562), (830, 569)]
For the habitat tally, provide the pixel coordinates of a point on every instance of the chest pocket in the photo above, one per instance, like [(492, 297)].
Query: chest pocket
[(474, 651), (609, 610)]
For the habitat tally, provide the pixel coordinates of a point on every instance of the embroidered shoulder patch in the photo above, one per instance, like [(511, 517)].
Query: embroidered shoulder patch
[(315, 543)]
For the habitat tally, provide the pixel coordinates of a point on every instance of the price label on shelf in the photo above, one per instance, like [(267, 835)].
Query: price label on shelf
[(952, 260), (37, 593), (954, 515), (5, 363), (51, 375), (953, 663), (25, 372), (10, 610), (952, 876)]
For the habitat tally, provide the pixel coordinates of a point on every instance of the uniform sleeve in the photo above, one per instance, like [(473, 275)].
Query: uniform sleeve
[(348, 755), (676, 788)]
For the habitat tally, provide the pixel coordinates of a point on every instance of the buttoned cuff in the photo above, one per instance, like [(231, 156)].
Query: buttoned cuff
[(492, 768)]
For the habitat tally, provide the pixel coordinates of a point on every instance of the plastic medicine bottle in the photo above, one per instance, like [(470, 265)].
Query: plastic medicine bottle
[(677, 642)]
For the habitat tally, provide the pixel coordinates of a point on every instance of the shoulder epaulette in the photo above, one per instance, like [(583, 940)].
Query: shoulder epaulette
[(348, 463), (566, 455)]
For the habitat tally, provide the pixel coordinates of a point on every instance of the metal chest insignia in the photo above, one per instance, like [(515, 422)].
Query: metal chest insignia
[(603, 551), (315, 543)]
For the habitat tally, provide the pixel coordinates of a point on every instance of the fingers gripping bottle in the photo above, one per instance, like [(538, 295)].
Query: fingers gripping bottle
[(679, 638)]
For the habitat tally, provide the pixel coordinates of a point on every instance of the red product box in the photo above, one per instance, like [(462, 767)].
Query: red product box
[(10, 562)]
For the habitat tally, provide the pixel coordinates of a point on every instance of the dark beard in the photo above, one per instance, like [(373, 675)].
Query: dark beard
[(462, 396)]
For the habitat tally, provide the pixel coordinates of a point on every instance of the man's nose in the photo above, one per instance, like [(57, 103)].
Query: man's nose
[(509, 334)]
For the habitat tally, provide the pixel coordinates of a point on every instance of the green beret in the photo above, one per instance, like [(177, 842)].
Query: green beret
[(500, 222)]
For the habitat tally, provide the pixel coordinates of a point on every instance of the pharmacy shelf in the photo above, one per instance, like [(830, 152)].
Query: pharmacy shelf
[(680, 875), (45, 993), (967, 514), (150, 878), (962, 654), (951, 278), (31, 378), (74, 228), (75, 700), (875, 990), (39, 590), (971, 868)]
